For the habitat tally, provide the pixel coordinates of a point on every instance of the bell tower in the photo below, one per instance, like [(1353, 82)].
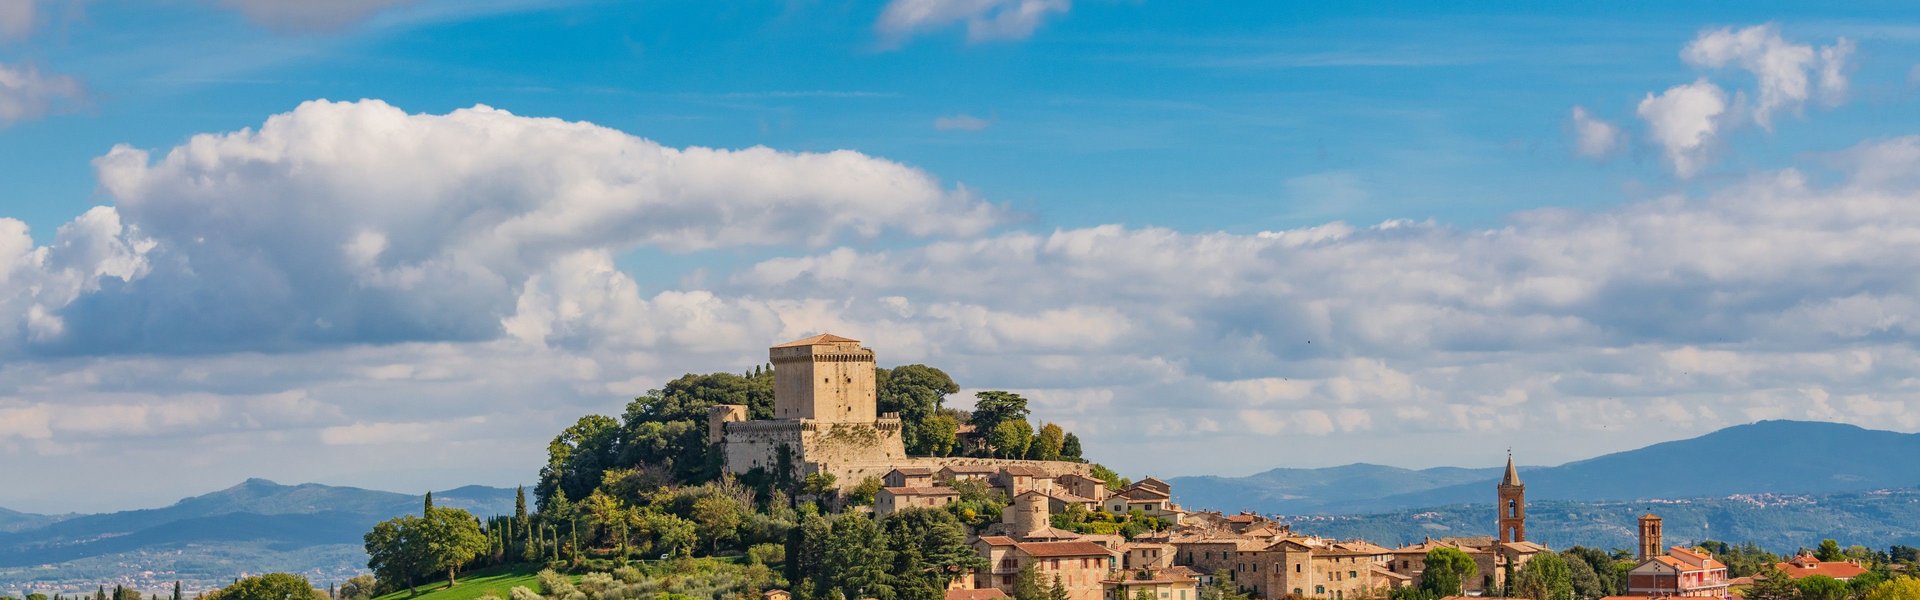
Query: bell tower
[(1650, 537), (1513, 505)]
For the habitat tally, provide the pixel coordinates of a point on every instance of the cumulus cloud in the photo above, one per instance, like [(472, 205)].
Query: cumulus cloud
[(357, 222), (26, 93), (985, 20), (1782, 69), (1771, 297), (961, 122), (1593, 137), (309, 15), (1685, 121)]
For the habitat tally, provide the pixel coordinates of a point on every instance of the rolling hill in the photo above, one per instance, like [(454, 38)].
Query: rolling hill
[(1779, 457), (310, 529)]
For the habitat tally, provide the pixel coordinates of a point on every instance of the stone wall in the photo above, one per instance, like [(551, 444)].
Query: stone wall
[(849, 473)]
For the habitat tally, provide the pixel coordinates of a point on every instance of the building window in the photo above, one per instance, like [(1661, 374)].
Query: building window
[(1321, 589), (1296, 568)]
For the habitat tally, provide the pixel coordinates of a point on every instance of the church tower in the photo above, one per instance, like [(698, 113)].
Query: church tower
[(1513, 505), (1650, 537)]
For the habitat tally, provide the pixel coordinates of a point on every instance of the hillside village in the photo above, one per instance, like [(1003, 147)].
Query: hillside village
[(826, 419)]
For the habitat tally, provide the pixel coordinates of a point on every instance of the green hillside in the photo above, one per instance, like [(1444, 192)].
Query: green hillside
[(498, 581)]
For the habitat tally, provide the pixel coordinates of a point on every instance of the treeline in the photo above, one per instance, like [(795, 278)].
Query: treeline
[(1581, 573)]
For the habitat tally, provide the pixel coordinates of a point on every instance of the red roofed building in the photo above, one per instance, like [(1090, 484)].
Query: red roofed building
[(1805, 565), (1679, 572), (1080, 566)]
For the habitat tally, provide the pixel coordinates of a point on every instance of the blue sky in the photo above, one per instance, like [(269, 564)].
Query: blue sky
[(1537, 272)]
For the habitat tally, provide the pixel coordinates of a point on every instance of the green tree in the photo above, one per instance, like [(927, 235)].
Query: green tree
[(1113, 479), (929, 548), (1026, 584), (917, 392), (578, 458), (272, 586), (450, 537), (360, 587), (1546, 577), (520, 506), (939, 436), (992, 407), (429, 504), (1829, 551), (1771, 584), (1822, 587), (862, 494), (1059, 590), (1446, 570), (1010, 439), (807, 550), (857, 559), (719, 518), (1070, 448), (670, 534), (1898, 588), (1586, 582), (395, 553), (1047, 444)]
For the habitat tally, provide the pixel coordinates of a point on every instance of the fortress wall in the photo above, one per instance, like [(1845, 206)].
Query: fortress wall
[(849, 474)]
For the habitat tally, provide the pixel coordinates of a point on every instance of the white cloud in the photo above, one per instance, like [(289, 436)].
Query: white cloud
[(1771, 296), (357, 222), (26, 93), (309, 15), (16, 19), (1781, 68), (1684, 121), (960, 122), (985, 19), (1593, 137)]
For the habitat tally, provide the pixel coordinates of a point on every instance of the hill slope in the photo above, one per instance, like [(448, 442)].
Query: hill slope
[(1782, 457), (311, 529)]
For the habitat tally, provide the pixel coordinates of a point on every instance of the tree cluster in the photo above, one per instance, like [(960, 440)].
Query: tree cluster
[(912, 554)]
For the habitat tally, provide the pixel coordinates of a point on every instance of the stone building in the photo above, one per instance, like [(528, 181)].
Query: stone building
[(1679, 572), (1512, 505), (1081, 567), (826, 420), (1162, 583)]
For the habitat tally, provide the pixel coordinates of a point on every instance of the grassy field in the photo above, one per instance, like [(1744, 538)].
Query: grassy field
[(497, 580)]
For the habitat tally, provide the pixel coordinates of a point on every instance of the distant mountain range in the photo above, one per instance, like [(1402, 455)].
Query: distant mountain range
[(1779, 457), (252, 527)]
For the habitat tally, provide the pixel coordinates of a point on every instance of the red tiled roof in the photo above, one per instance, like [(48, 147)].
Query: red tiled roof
[(986, 594), (912, 471), (1800, 569), (998, 540), (1063, 549)]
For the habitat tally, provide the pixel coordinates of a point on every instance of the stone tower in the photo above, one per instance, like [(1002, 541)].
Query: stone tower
[(825, 378), (1029, 515), (1513, 505), (1649, 537)]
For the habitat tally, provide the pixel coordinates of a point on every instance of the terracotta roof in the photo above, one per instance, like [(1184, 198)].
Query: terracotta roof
[(1525, 547), (1242, 518), (1142, 494), (1513, 475), (1363, 546), (1063, 549), (1132, 545), (1799, 568), (998, 540), (922, 491), (985, 594), (1052, 533), (824, 338), (912, 471), (1024, 471)]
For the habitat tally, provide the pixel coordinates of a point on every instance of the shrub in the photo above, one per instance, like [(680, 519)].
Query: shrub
[(767, 554), (522, 593), (554, 584)]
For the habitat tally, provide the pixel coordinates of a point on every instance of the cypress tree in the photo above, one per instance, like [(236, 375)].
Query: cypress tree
[(429, 508), (520, 505), (176, 590)]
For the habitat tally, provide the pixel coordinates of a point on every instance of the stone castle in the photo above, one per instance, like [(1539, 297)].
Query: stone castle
[(826, 420)]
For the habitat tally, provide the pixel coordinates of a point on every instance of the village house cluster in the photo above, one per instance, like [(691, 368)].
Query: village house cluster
[(826, 421)]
